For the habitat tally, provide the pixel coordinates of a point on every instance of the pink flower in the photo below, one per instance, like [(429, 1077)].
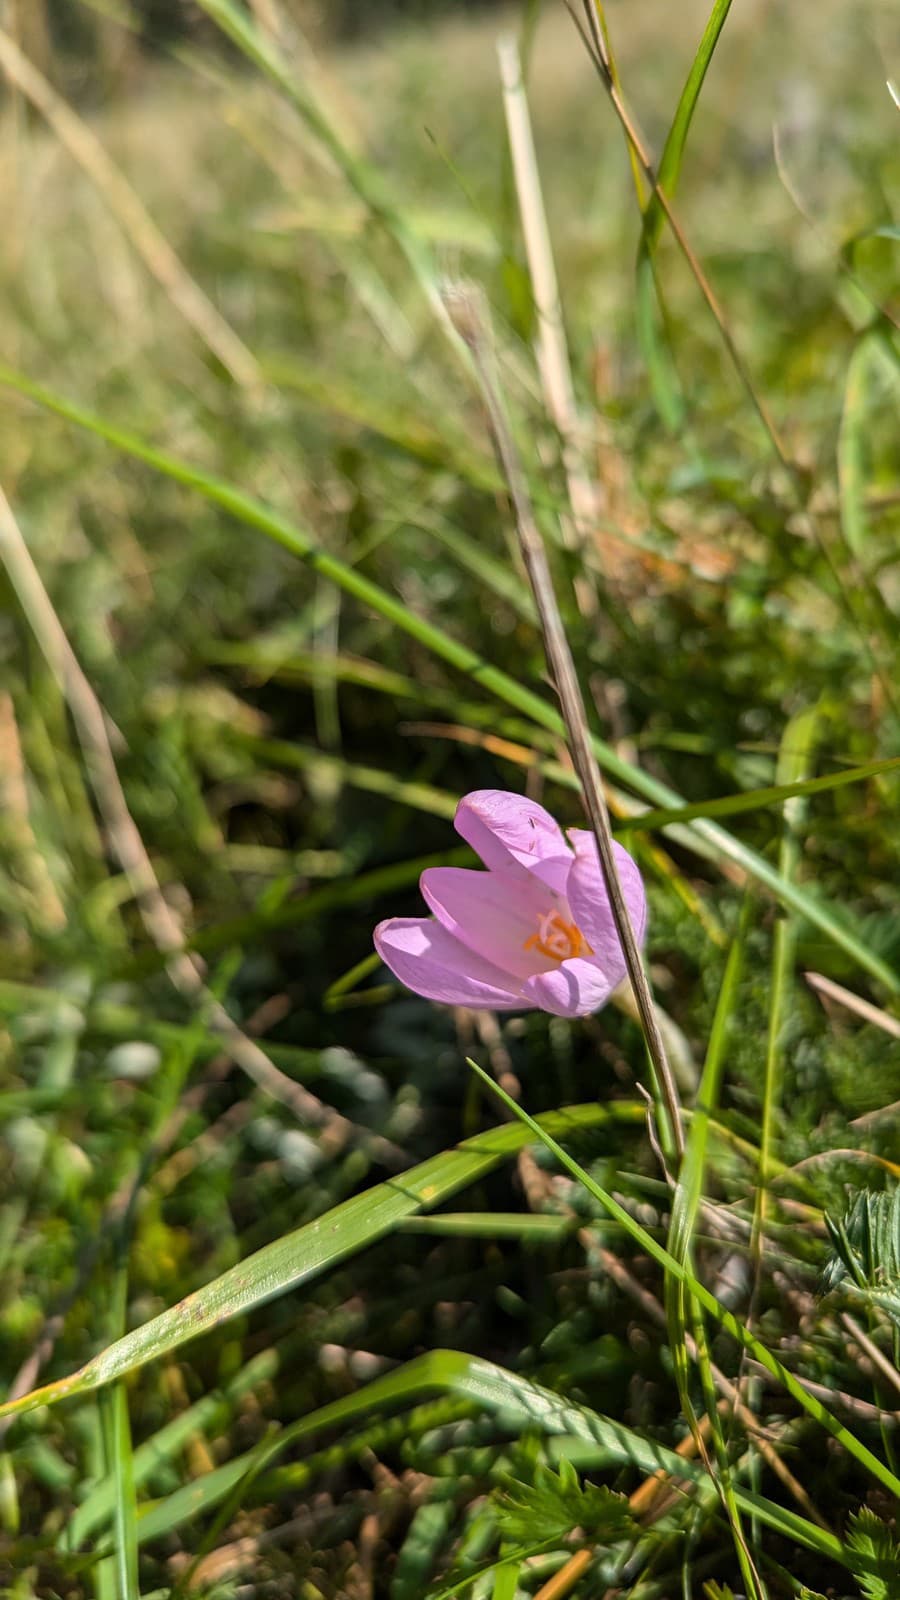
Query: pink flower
[(533, 932)]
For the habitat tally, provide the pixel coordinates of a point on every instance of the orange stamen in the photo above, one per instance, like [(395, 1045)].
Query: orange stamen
[(557, 939)]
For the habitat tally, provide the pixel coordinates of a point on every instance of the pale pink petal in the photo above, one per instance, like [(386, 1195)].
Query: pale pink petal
[(573, 989), (491, 913), (591, 912), (514, 835), (428, 960)]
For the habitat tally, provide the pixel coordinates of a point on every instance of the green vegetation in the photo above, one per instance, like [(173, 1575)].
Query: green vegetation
[(312, 1288)]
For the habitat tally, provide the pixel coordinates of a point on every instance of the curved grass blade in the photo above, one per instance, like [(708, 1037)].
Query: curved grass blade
[(364, 889), (794, 758), (444, 449), (662, 373), (369, 675), (302, 1255), (688, 1195), (655, 350), (167, 1444), (520, 1406), (236, 1481), (708, 837), (670, 162), (118, 1572), (851, 452)]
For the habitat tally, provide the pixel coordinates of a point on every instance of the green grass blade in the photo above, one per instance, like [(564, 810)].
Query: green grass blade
[(688, 1196), (521, 1406), (506, 1577), (733, 805), (662, 373), (672, 158), (167, 1444), (445, 449), (654, 347), (794, 758), (291, 536), (367, 888), (117, 1431), (254, 1475), (304, 1254), (681, 1309), (494, 574), (851, 453)]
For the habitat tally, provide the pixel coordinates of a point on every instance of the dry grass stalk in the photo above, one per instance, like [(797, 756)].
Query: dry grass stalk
[(44, 902), (854, 1002), (550, 345)]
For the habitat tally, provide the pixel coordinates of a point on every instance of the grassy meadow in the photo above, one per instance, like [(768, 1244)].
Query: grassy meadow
[(295, 1303)]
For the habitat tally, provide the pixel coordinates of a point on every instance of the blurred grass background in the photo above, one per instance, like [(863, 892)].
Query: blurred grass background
[(277, 742)]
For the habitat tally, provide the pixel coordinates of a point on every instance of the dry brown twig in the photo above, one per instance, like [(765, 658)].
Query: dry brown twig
[(880, 1362), (853, 1002)]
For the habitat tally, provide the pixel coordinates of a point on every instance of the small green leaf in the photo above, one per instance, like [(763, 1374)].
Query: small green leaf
[(868, 1536), (554, 1504), (866, 1241)]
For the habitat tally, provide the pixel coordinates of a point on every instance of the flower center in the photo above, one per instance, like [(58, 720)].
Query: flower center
[(557, 939)]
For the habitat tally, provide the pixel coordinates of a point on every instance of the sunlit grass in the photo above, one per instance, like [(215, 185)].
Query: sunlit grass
[(244, 1349)]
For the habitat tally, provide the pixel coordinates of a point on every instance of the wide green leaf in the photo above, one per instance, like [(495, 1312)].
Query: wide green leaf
[(520, 1405), (302, 1255)]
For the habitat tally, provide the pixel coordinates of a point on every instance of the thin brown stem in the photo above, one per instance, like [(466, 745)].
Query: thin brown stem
[(879, 1361), (551, 349), (470, 320)]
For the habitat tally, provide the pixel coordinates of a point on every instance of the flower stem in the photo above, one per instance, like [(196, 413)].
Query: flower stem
[(470, 320)]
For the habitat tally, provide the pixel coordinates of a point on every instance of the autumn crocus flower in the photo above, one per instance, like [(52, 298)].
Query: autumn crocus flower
[(535, 931)]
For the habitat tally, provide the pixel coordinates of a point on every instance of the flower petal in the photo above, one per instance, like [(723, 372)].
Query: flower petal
[(586, 890), (573, 989), (428, 960), (492, 913), (512, 834)]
